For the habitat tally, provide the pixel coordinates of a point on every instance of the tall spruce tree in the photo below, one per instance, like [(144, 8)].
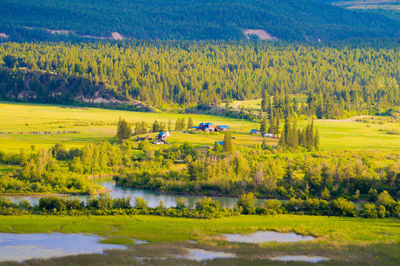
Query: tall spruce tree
[(228, 142), (124, 130), (263, 126)]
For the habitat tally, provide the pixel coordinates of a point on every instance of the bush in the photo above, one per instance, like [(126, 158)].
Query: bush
[(342, 207), (141, 203), (273, 205), (181, 203), (369, 211), (247, 203)]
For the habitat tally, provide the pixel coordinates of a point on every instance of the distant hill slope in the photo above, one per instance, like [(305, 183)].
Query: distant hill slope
[(187, 19)]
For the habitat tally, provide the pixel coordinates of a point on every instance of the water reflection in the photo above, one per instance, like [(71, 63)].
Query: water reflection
[(302, 258), (202, 255), (20, 247), (153, 197), (267, 236)]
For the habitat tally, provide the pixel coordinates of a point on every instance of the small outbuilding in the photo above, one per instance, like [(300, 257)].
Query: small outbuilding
[(222, 128), (255, 131), (219, 142), (162, 136)]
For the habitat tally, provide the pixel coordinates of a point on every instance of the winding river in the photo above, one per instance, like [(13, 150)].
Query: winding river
[(153, 197)]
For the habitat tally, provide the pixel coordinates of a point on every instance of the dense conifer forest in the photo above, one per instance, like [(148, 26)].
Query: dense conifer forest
[(188, 20), (338, 80)]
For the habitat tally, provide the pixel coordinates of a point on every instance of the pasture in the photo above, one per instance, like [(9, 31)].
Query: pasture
[(24, 125)]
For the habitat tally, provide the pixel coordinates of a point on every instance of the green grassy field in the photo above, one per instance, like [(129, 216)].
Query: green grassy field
[(17, 121), (344, 240)]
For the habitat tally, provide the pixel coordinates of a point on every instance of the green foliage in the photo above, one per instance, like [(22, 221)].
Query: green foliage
[(247, 203), (141, 203), (228, 148), (203, 74), (124, 130), (181, 203), (289, 20)]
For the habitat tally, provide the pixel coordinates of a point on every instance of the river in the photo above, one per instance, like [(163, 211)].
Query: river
[(153, 197)]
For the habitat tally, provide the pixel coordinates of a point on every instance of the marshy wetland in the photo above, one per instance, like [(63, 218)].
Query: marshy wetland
[(341, 240)]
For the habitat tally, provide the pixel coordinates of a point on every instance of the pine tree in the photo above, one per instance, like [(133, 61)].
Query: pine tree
[(265, 102), (294, 136), (316, 140), (183, 124), (190, 123), (169, 125), (263, 127), (124, 130), (156, 126), (228, 142), (178, 124)]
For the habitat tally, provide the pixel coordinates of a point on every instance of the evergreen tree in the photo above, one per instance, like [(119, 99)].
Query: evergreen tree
[(316, 139), (190, 123), (228, 142), (265, 102), (156, 126), (124, 130), (178, 124), (263, 127)]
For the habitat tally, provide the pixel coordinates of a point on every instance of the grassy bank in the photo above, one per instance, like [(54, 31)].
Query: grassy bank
[(345, 240)]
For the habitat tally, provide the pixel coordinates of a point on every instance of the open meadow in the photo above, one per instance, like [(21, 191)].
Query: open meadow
[(23, 125)]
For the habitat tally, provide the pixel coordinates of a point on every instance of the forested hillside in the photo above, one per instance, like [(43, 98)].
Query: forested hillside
[(189, 20), (336, 80)]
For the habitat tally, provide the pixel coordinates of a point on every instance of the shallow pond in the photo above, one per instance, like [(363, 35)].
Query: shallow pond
[(300, 258), (267, 236), (201, 255), (20, 247), (153, 197)]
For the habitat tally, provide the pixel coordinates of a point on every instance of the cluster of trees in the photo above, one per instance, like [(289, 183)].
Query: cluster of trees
[(292, 138), (65, 171), (181, 124), (329, 175), (333, 81), (104, 204), (124, 130), (385, 206)]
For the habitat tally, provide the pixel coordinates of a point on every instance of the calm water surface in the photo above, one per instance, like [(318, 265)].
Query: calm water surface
[(267, 236), (152, 197), (20, 247), (300, 258)]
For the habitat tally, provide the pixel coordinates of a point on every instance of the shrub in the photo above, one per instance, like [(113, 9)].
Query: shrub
[(369, 211), (181, 203), (141, 203), (247, 202)]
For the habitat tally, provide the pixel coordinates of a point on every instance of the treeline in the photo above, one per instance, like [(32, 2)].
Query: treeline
[(337, 81), (292, 138), (104, 204), (61, 170), (267, 173), (227, 169)]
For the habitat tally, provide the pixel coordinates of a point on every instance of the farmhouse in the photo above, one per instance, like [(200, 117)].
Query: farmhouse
[(222, 128), (207, 127), (162, 137), (210, 127), (255, 131)]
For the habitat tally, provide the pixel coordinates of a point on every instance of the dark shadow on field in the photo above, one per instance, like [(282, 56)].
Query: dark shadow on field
[(247, 254)]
